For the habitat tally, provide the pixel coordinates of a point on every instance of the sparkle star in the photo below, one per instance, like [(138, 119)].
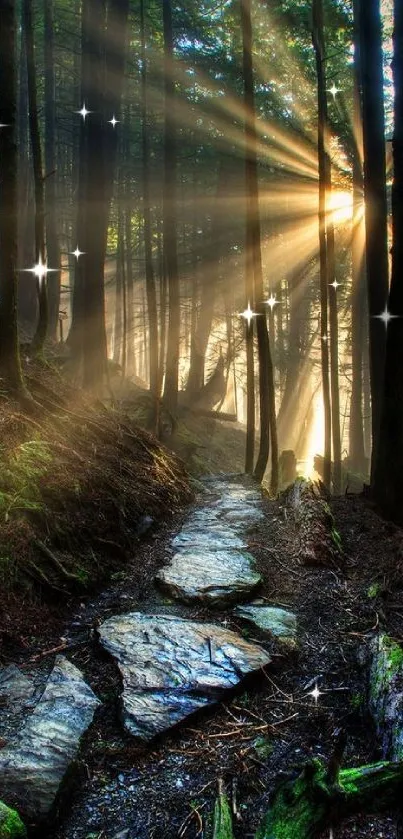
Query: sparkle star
[(335, 285), (315, 693), (113, 121), (386, 316), (271, 302), (4, 125), (40, 270), (83, 112), (333, 90), (247, 314), (324, 338), (77, 252)]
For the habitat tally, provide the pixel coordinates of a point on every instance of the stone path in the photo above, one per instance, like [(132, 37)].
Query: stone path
[(171, 666)]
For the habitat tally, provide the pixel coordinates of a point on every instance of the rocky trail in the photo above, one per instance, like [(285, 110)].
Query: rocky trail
[(231, 664)]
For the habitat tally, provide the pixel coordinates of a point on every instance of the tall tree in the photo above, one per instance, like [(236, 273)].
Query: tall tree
[(52, 241), (149, 269), (40, 256), (376, 242), (254, 264), (10, 367), (170, 216), (323, 164), (388, 472)]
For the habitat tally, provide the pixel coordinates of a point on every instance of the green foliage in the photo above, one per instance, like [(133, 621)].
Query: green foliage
[(11, 826), (373, 591), (21, 473)]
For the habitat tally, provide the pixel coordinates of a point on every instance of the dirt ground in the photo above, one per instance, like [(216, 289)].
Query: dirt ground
[(268, 729)]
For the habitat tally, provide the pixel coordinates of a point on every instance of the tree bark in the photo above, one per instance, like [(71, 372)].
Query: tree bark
[(52, 241), (43, 316), (170, 218), (376, 242), (149, 270), (323, 163), (10, 367), (388, 470)]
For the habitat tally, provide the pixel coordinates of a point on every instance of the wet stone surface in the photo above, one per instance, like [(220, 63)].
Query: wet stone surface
[(211, 565), (173, 667), (213, 577), (271, 620), (34, 763)]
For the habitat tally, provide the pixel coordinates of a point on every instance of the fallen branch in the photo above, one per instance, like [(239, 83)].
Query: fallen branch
[(319, 541)]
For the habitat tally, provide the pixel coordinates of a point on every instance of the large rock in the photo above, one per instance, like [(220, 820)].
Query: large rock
[(386, 694), (271, 620), (214, 577), (33, 765), (173, 667), (16, 690)]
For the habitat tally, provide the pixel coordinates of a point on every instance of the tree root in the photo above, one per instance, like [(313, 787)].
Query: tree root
[(68, 575)]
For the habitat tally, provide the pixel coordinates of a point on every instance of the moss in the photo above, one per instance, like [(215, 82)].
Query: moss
[(373, 590), (394, 653), (294, 811), (222, 818), (11, 826)]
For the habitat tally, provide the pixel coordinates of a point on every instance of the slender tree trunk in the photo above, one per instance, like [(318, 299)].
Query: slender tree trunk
[(375, 201), (42, 325), (169, 217), (388, 474), (356, 429), (10, 367), (334, 352), (150, 281), (253, 225), (130, 288), (27, 295), (317, 37), (52, 241)]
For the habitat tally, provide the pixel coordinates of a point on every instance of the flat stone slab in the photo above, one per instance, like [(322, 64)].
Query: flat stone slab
[(172, 667), (214, 577), (16, 689), (33, 764), (212, 537), (275, 621)]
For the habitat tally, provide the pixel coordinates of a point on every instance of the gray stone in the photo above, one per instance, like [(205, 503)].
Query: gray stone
[(212, 537), (33, 765), (277, 622), (172, 667), (209, 576), (15, 688)]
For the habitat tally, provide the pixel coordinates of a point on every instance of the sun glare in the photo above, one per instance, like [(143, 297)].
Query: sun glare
[(340, 206), (316, 438)]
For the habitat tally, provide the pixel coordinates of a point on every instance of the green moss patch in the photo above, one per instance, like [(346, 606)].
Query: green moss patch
[(11, 826)]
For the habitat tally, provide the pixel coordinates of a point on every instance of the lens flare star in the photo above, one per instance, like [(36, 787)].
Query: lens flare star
[(315, 693), (248, 314), (271, 302), (83, 112), (77, 253), (40, 270), (113, 121), (334, 90), (386, 316)]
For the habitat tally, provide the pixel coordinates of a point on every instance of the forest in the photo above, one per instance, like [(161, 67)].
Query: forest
[(201, 405)]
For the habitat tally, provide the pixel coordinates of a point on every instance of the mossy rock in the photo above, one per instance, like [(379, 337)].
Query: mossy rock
[(386, 694), (11, 826)]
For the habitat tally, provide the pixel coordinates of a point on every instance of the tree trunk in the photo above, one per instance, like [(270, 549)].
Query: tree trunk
[(169, 218), (253, 227), (375, 201), (10, 368), (356, 429), (150, 281), (388, 471), (318, 43), (52, 242), (42, 325), (318, 542)]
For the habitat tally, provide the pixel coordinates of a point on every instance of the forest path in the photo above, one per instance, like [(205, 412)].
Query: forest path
[(166, 789)]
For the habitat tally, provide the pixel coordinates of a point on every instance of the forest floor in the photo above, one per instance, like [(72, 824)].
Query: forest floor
[(272, 725), (127, 482)]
